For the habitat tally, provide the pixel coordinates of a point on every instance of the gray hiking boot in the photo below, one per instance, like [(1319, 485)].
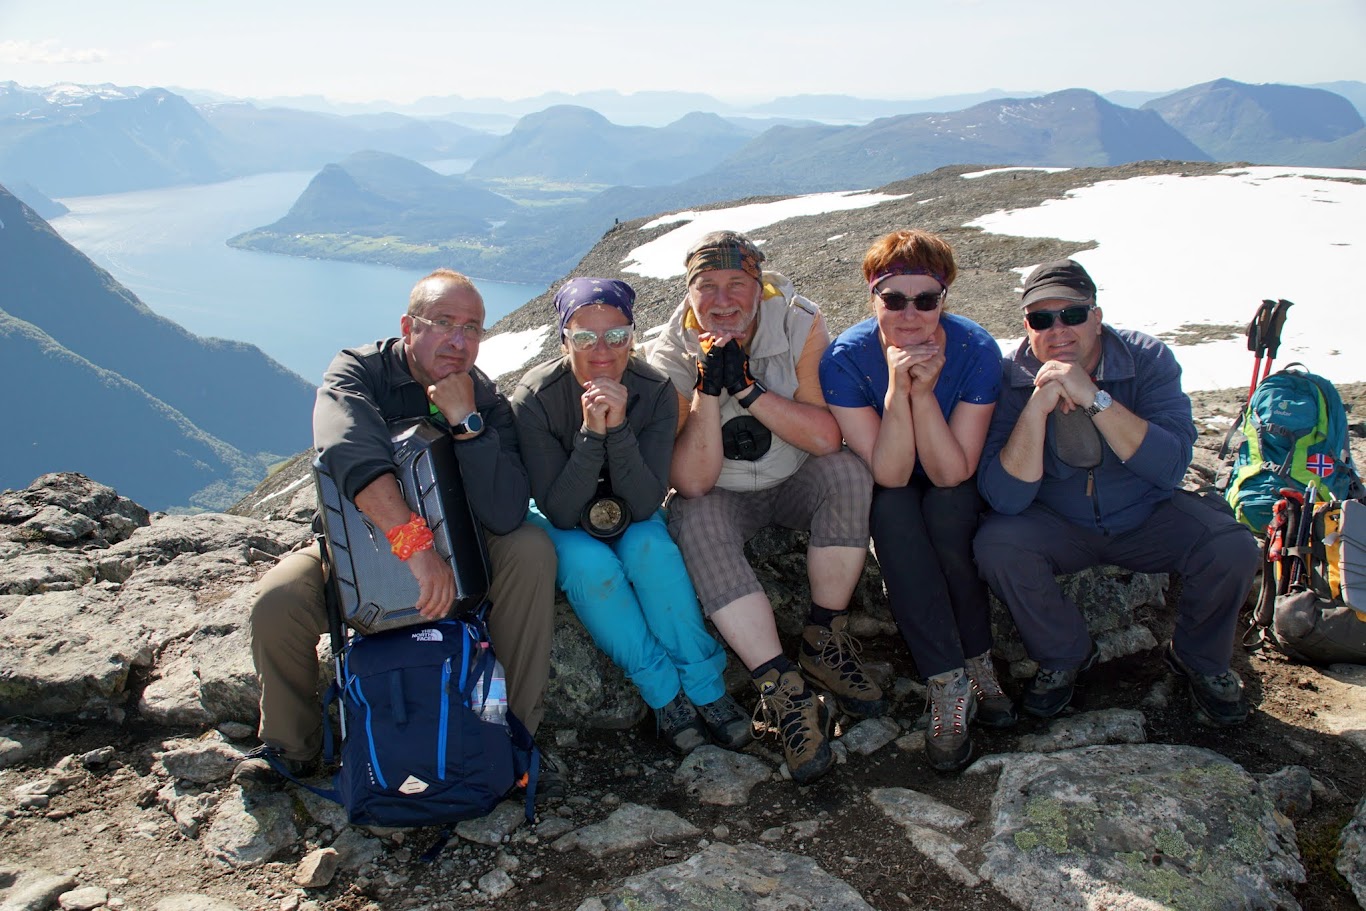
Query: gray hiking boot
[(679, 725), (1051, 690), (255, 769), (788, 706), (830, 659), (1218, 698), (948, 744), (729, 725), (994, 708)]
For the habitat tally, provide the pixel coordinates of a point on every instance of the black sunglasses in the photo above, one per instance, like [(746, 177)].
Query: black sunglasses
[(925, 301), (1042, 320)]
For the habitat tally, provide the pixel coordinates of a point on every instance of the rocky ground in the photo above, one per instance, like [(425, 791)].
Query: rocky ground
[(114, 786)]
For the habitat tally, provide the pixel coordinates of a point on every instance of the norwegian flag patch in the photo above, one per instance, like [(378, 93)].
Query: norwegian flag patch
[(1319, 464)]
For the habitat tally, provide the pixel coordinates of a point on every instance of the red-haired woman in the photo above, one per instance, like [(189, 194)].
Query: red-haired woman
[(913, 389)]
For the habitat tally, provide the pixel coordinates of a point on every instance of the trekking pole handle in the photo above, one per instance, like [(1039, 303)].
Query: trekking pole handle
[(1273, 339)]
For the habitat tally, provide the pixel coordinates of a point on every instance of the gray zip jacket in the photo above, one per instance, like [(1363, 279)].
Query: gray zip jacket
[(564, 459)]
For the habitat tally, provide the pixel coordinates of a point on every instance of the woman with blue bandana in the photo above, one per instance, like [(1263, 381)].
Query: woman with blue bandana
[(596, 429), (913, 389)]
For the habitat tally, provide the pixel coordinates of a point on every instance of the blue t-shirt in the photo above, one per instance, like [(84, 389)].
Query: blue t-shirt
[(854, 369)]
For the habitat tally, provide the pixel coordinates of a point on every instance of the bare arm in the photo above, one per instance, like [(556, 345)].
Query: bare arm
[(808, 427), (949, 450), (698, 452)]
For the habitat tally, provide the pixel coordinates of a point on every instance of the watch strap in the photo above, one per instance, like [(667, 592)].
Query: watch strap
[(755, 390)]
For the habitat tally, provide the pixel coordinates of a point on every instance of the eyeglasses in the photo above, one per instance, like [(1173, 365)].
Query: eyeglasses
[(584, 339), (925, 301), (469, 332), (1042, 320)]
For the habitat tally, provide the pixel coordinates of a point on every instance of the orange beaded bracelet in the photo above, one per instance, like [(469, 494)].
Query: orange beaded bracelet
[(407, 539)]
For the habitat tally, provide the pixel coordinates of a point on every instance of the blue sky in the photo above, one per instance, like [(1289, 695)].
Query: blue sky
[(405, 49)]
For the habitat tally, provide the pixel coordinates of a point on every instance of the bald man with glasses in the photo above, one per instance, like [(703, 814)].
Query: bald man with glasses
[(428, 371), (1083, 466)]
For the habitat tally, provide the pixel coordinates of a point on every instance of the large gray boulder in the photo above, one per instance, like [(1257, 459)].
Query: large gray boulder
[(1137, 827)]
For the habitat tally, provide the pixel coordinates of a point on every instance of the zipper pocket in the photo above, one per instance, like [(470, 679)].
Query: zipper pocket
[(444, 727)]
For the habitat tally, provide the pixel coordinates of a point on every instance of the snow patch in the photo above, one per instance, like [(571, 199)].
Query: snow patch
[(663, 256), (975, 174), (505, 352)]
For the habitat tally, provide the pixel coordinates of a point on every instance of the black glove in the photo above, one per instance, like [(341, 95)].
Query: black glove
[(711, 369), (735, 375)]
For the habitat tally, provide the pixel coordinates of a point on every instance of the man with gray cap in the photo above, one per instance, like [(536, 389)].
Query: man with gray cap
[(758, 446), (1083, 466)]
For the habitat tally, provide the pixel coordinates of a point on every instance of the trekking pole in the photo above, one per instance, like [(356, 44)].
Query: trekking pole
[(1273, 337), (1256, 340), (1299, 570)]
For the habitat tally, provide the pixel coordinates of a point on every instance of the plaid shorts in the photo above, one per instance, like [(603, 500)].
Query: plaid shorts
[(828, 496)]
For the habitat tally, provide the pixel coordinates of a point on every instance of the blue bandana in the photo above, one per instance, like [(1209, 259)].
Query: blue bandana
[(583, 292)]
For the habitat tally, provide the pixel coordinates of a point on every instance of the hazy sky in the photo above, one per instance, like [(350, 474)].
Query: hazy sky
[(405, 49)]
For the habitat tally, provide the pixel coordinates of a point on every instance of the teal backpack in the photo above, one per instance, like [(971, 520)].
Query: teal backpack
[(1294, 435)]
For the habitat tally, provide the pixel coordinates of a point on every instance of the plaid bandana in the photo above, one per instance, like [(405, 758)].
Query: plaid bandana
[(724, 250)]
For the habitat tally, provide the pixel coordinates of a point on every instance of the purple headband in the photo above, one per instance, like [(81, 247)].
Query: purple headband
[(904, 268), (582, 292)]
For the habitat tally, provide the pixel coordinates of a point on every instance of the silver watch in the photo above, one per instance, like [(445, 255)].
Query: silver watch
[(1099, 403)]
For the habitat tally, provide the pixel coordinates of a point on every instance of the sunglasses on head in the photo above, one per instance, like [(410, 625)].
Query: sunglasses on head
[(925, 301), (1042, 320), (584, 339)]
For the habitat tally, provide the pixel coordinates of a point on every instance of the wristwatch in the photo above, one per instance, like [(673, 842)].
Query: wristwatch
[(1100, 403), (755, 390), (472, 423)]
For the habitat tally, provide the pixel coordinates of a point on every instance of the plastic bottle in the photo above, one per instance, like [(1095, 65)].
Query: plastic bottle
[(495, 707)]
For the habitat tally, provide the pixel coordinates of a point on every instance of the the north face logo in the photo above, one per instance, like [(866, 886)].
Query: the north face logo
[(428, 635), (413, 785)]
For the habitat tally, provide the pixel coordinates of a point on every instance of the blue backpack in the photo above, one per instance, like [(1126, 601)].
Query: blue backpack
[(1294, 435), (427, 737)]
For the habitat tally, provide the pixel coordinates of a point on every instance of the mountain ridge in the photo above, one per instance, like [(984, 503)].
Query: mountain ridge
[(221, 410)]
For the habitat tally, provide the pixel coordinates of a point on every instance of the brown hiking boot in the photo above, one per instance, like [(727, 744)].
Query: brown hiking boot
[(830, 659), (948, 745), (994, 708), (787, 705)]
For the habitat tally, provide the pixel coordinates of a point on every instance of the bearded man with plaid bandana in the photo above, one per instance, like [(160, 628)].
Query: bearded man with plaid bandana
[(758, 446)]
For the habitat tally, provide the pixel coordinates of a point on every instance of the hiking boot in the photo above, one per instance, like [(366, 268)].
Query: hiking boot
[(551, 780), (1218, 698), (679, 725), (1050, 691), (255, 769), (948, 745), (830, 659), (787, 705), (728, 724), (994, 707)]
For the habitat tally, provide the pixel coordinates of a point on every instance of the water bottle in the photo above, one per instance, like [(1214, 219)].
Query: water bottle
[(495, 707)]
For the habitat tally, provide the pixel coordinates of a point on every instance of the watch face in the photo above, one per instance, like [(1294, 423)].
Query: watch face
[(474, 423)]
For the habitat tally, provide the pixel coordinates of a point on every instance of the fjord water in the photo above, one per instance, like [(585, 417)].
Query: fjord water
[(168, 247)]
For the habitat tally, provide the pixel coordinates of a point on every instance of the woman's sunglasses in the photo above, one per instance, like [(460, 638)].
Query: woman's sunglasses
[(584, 339), (1042, 320), (925, 301)]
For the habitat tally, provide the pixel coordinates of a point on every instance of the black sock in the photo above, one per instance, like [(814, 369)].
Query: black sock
[(822, 616), (780, 663)]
